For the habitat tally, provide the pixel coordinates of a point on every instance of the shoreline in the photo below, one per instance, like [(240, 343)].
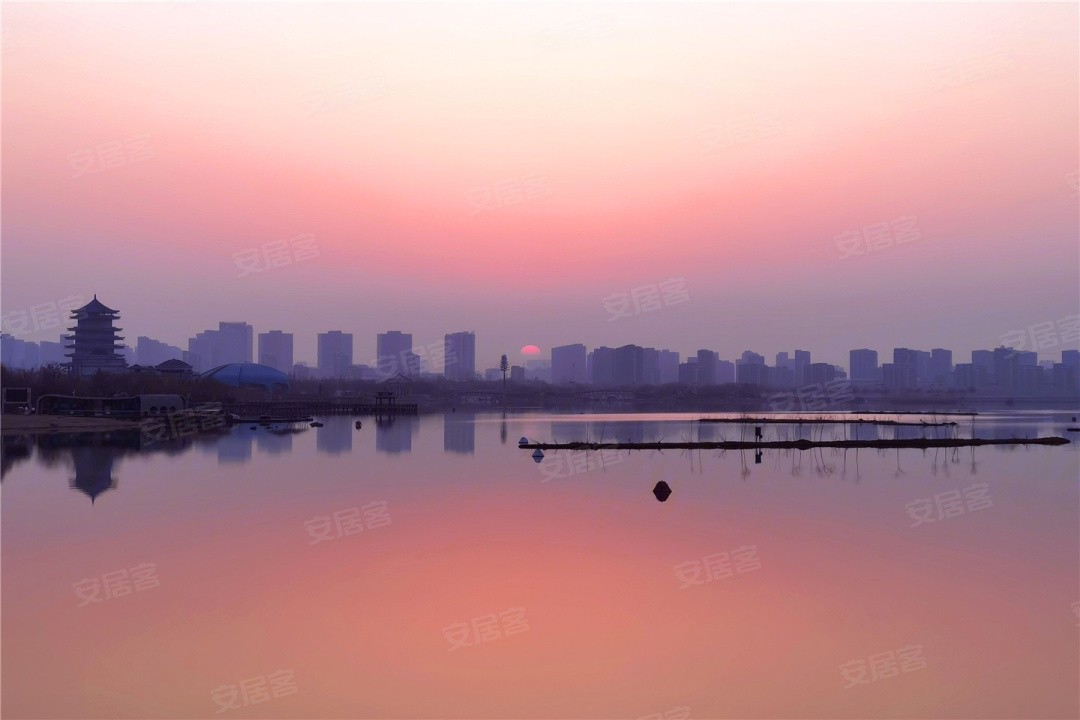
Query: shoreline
[(11, 424)]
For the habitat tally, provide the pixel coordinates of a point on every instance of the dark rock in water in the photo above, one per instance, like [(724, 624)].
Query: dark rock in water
[(316, 424), (662, 491), (253, 427), (1072, 429), (359, 424)]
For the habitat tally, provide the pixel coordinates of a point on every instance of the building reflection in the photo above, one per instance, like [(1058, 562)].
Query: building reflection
[(236, 446), (394, 433), (16, 449), (273, 443), (864, 432), (93, 470), (574, 431), (335, 436), (459, 432)]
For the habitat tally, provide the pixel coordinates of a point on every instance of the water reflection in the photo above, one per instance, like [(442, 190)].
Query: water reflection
[(273, 443), (394, 433), (336, 435), (16, 449), (492, 530), (459, 432), (93, 470), (235, 447), (94, 456)]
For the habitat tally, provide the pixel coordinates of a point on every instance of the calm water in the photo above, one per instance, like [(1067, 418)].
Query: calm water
[(429, 568)]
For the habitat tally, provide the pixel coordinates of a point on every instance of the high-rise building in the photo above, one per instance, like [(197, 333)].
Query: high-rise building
[(19, 354), (863, 365), (201, 354), (820, 373), (459, 361), (707, 361), (150, 352), (799, 364), (95, 342), (235, 343), (908, 361), (538, 369), (394, 351), (650, 366), (725, 372), (898, 376), (628, 365), (669, 367), (966, 376), (276, 350), (750, 358), (922, 367), (688, 371), (984, 360), (750, 369), (335, 354), (603, 366), (52, 353), (568, 364), (751, 373), (941, 366)]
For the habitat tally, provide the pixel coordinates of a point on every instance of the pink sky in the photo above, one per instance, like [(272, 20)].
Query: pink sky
[(504, 168)]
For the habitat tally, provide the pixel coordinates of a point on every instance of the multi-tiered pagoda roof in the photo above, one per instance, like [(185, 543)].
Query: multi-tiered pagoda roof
[(94, 340)]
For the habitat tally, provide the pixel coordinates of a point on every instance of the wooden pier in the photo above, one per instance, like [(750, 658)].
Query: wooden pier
[(310, 408), (914, 443)]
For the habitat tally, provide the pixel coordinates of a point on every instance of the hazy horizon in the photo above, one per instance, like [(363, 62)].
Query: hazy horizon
[(508, 168)]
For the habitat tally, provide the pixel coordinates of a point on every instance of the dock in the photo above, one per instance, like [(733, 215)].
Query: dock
[(918, 444), (822, 421), (310, 408)]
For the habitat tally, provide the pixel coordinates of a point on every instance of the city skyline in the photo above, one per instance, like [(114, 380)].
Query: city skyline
[(626, 365), (881, 205)]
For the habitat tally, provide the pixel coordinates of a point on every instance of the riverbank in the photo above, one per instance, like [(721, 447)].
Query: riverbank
[(27, 424)]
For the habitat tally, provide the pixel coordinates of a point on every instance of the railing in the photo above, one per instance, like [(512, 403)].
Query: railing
[(291, 408)]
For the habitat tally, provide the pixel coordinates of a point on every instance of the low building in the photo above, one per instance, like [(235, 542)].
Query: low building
[(136, 406), (175, 367)]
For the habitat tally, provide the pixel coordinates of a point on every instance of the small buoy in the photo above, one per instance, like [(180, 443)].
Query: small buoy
[(662, 491), (523, 441), (538, 455), (358, 424), (316, 424)]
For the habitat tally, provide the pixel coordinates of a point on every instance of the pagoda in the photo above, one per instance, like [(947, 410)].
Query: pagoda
[(94, 342)]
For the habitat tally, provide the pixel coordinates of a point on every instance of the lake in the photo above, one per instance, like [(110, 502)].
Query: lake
[(429, 568)]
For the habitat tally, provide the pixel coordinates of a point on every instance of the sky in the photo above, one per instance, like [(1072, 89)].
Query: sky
[(723, 176)]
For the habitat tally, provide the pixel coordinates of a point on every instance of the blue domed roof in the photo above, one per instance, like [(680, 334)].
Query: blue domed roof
[(246, 374)]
